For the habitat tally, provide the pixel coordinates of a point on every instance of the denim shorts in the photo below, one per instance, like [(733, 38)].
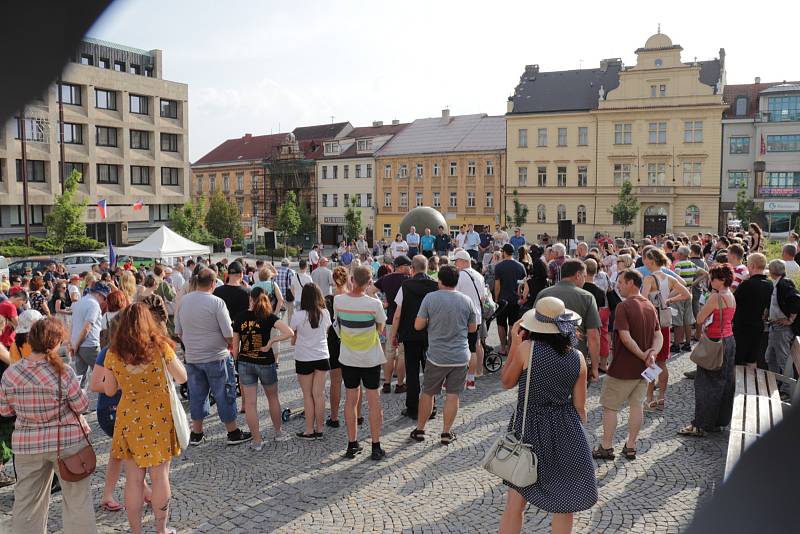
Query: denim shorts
[(251, 373), (106, 417), (218, 379)]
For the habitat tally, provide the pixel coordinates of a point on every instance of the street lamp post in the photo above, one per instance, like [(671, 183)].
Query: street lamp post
[(24, 168)]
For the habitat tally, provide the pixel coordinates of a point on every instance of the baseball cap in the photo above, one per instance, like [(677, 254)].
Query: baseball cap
[(508, 248), (101, 288), (74, 277), (26, 320), (235, 268), (401, 261), (462, 255)]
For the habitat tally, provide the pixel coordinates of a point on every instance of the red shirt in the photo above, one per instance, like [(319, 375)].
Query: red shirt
[(9, 311), (637, 316)]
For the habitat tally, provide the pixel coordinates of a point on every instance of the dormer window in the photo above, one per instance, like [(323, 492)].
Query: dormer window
[(364, 145), (741, 106), (332, 148), (659, 62)]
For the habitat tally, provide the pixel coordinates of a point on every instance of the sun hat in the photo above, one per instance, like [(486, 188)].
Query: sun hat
[(462, 255), (551, 317), (26, 320)]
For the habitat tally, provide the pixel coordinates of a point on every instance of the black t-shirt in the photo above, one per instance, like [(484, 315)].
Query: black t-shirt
[(254, 333), (389, 285), (509, 272), (599, 294), (237, 298)]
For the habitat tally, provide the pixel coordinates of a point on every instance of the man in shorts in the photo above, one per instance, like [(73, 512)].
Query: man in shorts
[(449, 316), (389, 285), (637, 341), (507, 275), (471, 284), (360, 319)]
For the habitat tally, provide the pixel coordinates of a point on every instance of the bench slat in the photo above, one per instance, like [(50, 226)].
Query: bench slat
[(737, 421), (772, 387), (734, 451), (749, 439), (750, 415), (776, 407), (740, 379), (761, 382), (764, 415), (750, 381)]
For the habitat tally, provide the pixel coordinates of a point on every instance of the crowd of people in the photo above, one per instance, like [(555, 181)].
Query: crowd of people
[(410, 317)]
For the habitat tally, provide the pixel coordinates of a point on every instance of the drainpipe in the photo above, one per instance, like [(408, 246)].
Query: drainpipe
[(596, 166)]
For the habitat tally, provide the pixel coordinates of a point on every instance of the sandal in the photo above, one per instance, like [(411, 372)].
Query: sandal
[(691, 430), (603, 454), (417, 435), (654, 405), (448, 438), (629, 453), (111, 506)]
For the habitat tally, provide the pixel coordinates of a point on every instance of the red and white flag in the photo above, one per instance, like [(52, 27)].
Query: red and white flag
[(103, 209), (138, 205)]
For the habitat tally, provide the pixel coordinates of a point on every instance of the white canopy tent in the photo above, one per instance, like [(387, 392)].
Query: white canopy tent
[(164, 243)]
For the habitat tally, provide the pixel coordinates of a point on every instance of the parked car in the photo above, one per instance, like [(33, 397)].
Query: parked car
[(4, 268), (82, 262), (34, 264)]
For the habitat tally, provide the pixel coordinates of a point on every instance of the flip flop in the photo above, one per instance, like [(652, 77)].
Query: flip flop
[(110, 506)]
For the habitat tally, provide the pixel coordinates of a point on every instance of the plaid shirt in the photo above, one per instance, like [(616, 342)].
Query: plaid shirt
[(29, 390), (284, 280)]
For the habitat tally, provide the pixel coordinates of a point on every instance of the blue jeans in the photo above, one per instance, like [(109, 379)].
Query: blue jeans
[(251, 373), (217, 378)]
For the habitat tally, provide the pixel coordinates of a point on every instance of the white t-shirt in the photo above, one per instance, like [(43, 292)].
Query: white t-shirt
[(474, 292), (312, 343), (791, 268), (313, 257), (298, 281), (460, 240), (398, 248)]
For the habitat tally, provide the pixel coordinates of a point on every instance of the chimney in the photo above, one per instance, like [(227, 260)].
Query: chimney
[(395, 122), (377, 123), (610, 62), (531, 69), (445, 113), (248, 136), (758, 79)]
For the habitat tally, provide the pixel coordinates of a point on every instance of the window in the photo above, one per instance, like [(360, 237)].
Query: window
[(489, 199), (105, 99), (437, 199), (622, 173), (783, 143), (489, 168), (169, 108), (335, 200), (387, 230), (403, 171), (541, 213), (470, 199), (662, 90), (369, 170), (119, 66), (369, 200), (737, 179), (739, 145), (346, 172), (107, 174), (387, 200), (364, 145), (212, 183), (148, 71), (71, 166), (403, 200), (169, 176), (581, 214), (583, 176), (140, 139), (36, 215), (34, 130), (453, 168), (653, 90), (140, 175), (541, 176), (562, 137), (784, 108), (453, 199), (73, 133), (522, 176), (140, 104), (357, 200), (332, 148), (693, 131), (656, 174), (561, 177), (135, 69), (35, 170), (692, 216), (419, 170), (583, 135), (240, 182), (741, 106), (561, 212), (542, 137), (200, 184), (71, 94), (240, 205), (335, 172), (657, 133), (523, 138), (103, 63), (471, 168), (358, 171), (106, 136), (692, 173), (387, 171), (782, 179), (86, 59), (169, 142), (658, 62), (254, 182), (436, 170), (324, 200), (226, 183), (324, 172), (418, 199), (161, 212), (622, 134)]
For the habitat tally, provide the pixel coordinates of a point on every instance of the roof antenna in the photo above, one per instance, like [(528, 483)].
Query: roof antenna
[(580, 64), (659, 27), (332, 117)]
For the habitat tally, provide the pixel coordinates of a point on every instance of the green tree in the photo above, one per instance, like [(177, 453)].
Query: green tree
[(520, 216), (189, 220), (625, 210), (288, 218), (745, 207), (353, 226), (223, 219), (65, 220), (307, 223)]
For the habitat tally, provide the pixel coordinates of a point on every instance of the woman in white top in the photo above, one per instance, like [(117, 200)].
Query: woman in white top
[(398, 246), (310, 324)]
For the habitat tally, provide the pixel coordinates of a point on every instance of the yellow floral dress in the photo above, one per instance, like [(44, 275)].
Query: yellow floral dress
[(144, 430)]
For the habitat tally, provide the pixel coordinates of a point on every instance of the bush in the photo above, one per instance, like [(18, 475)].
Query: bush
[(16, 247), (82, 244), (275, 253), (17, 251)]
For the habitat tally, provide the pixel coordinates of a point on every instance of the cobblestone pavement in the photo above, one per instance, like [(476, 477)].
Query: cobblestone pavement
[(299, 486)]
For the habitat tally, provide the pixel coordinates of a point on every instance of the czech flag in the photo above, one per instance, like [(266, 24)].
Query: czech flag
[(103, 209), (138, 205), (112, 255)]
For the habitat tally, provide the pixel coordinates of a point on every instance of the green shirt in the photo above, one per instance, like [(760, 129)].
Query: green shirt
[(581, 302)]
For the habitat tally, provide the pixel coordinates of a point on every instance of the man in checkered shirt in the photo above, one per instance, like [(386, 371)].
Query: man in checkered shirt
[(284, 281)]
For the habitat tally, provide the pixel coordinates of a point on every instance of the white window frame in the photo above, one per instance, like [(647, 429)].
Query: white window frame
[(522, 176), (470, 199), (437, 199), (453, 203), (387, 199)]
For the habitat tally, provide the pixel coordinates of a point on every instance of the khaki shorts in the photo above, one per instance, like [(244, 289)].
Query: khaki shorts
[(452, 378), (616, 392), (685, 313), (391, 352)]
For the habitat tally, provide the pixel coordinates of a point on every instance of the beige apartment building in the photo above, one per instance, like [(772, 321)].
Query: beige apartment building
[(575, 136), (125, 130)]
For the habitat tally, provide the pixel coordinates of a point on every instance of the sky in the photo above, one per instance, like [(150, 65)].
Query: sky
[(265, 66)]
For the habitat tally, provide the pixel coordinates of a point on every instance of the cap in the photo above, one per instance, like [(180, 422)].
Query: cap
[(26, 320), (508, 248), (235, 268), (401, 261), (168, 270), (101, 288), (74, 277), (462, 255), (285, 262)]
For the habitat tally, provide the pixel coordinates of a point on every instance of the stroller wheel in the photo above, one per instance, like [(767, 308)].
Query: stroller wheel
[(285, 414), (184, 391), (492, 362)]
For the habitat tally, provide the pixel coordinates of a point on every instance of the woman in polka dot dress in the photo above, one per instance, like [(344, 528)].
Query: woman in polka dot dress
[(556, 407)]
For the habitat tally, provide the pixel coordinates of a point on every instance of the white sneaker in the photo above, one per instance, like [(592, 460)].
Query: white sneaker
[(255, 446), (282, 437)]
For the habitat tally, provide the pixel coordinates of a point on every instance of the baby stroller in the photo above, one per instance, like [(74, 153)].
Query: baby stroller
[(492, 359)]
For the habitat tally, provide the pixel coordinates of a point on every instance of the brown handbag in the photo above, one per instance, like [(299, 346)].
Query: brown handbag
[(709, 354), (76, 466)]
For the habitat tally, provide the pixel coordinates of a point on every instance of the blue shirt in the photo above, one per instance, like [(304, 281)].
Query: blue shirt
[(427, 242), (103, 400), (517, 242), (472, 240), (412, 239), (347, 258)]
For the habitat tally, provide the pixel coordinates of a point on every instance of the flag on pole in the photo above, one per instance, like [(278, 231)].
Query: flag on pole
[(763, 145), (138, 205), (103, 209), (112, 255)]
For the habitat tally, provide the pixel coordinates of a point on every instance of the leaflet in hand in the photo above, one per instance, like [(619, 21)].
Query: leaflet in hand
[(651, 373)]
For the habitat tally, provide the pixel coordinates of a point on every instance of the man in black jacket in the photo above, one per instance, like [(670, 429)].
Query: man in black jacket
[(415, 343), (442, 243), (784, 308), (752, 305)]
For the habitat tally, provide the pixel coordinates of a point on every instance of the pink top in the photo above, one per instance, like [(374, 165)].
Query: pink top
[(713, 330)]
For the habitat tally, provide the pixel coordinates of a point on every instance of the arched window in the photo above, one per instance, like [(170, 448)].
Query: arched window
[(692, 216), (541, 214), (581, 214), (562, 212), (655, 210)]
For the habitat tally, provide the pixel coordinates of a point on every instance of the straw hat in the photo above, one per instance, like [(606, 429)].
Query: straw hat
[(550, 311)]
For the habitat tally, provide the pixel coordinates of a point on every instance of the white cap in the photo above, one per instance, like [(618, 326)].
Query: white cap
[(462, 255), (26, 320)]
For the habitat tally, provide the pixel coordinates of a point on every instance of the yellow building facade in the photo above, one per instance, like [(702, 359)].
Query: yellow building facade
[(574, 137)]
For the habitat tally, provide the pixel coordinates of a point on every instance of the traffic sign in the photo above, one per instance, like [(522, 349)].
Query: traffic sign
[(228, 242)]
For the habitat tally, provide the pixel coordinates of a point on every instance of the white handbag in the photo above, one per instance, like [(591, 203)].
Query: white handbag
[(510, 458), (179, 418)]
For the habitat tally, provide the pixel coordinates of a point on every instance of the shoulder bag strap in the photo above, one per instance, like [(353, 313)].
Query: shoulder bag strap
[(527, 393), (719, 296), (58, 438), (480, 299)]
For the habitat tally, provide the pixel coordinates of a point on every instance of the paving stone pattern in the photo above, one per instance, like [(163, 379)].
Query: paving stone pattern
[(300, 486)]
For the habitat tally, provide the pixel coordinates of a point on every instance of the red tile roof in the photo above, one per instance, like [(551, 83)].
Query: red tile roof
[(245, 148), (751, 91)]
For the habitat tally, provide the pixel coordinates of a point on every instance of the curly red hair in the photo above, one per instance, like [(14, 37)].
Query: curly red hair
[(139, 337), (722, 272)]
